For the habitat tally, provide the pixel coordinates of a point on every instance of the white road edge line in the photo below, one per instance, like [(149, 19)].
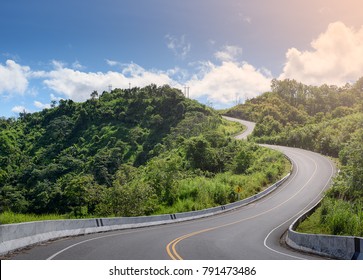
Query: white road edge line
[(299, 213)]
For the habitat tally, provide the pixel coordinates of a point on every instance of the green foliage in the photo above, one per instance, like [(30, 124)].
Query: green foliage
[(242, 161), (326, 119), (341, 217), (65, 159), (199, 191), (127, 153), (9, 217), (201, 155)]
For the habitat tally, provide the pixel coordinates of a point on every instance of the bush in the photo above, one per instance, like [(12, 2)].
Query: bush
[(342, 217)]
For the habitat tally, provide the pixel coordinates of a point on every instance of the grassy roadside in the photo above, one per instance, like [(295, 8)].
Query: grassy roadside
[(223, 185), (230, 128), (8, 217), (312, 224), (335, 217)]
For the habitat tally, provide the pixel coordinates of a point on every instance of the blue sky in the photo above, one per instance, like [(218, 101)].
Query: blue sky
[(223, 50)]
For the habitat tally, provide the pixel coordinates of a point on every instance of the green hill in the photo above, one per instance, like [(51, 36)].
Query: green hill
[(325, 119), (127, 152)]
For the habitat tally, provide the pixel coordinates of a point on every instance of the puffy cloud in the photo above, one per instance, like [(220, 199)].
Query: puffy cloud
[(223, 83), (13, 77), (336, 58), (220, 82), (78, 85), (19, 109)]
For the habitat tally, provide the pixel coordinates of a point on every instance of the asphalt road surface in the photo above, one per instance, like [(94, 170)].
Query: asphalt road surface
[(251, 232), (250, 126)]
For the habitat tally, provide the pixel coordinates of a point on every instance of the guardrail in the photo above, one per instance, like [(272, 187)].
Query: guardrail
[(16, 236), (332, 246)]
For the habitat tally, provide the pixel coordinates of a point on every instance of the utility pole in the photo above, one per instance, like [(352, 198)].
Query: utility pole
[(109, 88), (186, 91)]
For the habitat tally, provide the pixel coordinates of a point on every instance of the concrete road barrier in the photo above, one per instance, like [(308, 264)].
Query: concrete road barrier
[(332, 246)]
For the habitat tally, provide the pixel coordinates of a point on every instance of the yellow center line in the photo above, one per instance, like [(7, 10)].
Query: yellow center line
[(171, 247)]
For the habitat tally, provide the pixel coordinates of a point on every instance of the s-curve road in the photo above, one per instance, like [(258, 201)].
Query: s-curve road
[(251, 232)]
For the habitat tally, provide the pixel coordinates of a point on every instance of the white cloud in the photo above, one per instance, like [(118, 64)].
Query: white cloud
[(336, 58), (112, 62), (19, 109), (13, 77), (229, 53), (220, 82), (178, 45), (41, 105), (54, 98), (78, 85), (77, 65), (223, 83)]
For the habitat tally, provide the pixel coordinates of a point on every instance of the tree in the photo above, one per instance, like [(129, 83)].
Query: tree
[(242, 161), (12, 199), (201, 155), (94, 95), (132, 199), (82, 194)]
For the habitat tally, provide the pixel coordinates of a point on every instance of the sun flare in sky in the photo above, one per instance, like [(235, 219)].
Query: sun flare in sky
[(223, 50)]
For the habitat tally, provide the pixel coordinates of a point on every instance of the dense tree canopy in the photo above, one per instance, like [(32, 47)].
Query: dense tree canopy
[(325, 119), (127, 152)]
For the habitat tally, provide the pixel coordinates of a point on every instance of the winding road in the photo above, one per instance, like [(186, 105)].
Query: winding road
[(251, 232)]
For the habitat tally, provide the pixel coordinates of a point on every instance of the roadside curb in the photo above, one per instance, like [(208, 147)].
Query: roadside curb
[(332, 246)]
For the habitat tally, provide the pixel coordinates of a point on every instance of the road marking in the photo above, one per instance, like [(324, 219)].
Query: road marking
[(300, 212), (132, 231), (171, 247), (88, 240)]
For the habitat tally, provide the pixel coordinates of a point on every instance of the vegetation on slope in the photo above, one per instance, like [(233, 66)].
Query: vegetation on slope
[(126, 153), (325, 119)]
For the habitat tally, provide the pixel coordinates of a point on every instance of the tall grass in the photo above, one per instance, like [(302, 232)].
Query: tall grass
[(8, 217), (230, 128), (201, 192), (336, 217)]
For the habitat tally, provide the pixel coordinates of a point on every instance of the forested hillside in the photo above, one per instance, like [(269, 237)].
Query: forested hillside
[(127, 152), (325, 119)]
